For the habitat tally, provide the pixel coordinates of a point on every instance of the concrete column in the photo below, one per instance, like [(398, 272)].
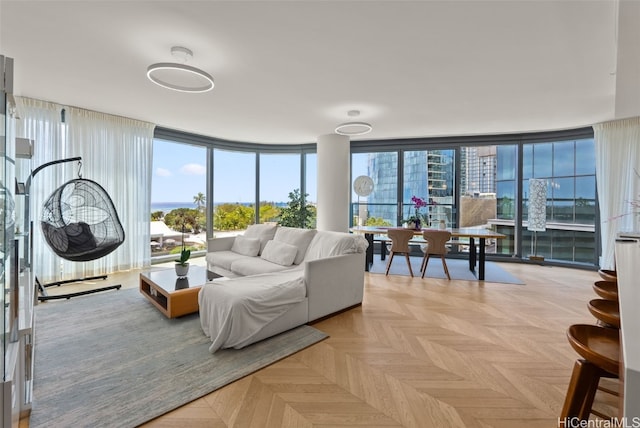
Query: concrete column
[(334, 161)]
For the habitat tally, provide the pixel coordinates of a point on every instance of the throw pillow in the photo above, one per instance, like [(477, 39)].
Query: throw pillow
[(279, 252), (246, 246), (264, 232), (299, 238)]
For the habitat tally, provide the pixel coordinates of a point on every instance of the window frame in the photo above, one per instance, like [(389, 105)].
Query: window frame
[(457, 142), (212, 143), (393, 145)]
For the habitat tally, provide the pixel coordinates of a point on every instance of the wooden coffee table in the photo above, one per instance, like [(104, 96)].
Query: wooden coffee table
[(173, 296)]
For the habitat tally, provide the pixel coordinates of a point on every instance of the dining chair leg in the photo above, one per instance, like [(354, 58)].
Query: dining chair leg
[(406, 255), (444, 265), (425, 262), (389, 263)]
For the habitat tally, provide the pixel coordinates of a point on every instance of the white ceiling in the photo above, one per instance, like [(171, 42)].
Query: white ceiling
[(287, 72)]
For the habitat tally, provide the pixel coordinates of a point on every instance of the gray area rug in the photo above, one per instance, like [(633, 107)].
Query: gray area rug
[(458, 269), (113, 360)]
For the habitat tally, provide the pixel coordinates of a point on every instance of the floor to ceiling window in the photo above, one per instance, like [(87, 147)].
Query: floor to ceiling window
[(311, 182), (279, 184), (217, 187), (506, 196), (466, 182), (380, 208), (178, 190), (492, 180), (429, 176), (568, 167), (234, 191), (311, 177)]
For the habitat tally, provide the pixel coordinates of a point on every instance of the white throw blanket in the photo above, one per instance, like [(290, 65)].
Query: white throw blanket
[(234, 311)]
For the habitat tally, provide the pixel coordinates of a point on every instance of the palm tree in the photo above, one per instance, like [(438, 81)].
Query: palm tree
[(200, 200)]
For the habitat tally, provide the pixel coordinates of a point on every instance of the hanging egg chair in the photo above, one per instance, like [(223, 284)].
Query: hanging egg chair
[(80, 223)]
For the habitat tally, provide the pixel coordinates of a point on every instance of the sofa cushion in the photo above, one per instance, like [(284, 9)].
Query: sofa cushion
[(224, 259), (279, 252), (246, 266), (264, 232), (329, 244), (299, 238), (246, 246)]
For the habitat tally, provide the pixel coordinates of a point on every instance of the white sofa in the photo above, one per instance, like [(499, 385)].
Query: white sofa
[(276, 278)]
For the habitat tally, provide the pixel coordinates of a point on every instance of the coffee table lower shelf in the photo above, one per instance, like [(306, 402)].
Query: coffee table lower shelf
[(172, 296)]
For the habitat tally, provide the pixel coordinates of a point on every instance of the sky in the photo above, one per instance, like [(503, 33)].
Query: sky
[(180, 173)]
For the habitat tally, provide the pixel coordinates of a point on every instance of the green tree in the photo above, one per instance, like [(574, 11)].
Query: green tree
[(377, 221), (156, 215), (233, 216), (313, 216), (268, 212), (187, 216), (298, 213), (200, 200)]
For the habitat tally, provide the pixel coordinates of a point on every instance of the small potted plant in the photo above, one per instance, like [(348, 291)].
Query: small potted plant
[(182, 264), (415, 221)]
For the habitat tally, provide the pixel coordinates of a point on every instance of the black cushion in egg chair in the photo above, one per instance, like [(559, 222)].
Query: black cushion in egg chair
[(80, 222)]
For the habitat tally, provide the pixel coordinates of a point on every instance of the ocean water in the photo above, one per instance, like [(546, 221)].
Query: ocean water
[(165, 207)]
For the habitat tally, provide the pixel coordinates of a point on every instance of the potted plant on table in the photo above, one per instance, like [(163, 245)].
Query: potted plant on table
[(182, 264), (415, 221)]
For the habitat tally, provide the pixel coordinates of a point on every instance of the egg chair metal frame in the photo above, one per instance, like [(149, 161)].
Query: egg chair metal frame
[(62, 235)]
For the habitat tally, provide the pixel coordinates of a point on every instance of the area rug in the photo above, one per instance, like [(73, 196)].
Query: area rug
[(458, 269), (113, 360)]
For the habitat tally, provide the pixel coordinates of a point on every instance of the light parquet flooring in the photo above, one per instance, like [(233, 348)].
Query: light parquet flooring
[(421, 353)]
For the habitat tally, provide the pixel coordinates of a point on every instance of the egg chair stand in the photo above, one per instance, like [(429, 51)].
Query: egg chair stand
[(79, 223)]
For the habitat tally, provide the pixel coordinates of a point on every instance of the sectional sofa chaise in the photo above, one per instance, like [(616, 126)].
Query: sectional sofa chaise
[(275, 278)]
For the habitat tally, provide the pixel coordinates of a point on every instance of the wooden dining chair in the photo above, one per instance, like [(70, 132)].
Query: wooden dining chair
[(400, 245), (437, 246)]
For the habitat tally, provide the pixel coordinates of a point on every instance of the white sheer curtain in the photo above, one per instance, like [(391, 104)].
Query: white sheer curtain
[(618, 175), (116, 153)]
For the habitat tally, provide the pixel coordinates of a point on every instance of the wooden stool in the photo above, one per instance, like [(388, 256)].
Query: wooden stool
[(606, 311), (608, 275), (600, 348), (606, 289)]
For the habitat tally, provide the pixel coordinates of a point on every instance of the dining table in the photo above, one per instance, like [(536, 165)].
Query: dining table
[(476, 256)]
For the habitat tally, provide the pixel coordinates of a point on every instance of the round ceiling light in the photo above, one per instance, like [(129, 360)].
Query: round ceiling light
[(353, 128), (180, 77)]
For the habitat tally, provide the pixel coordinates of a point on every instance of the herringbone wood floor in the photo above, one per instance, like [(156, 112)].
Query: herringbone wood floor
[(421, 353)]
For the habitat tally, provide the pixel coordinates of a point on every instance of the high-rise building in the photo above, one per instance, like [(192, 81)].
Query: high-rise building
[(477, 170), (427, 174)]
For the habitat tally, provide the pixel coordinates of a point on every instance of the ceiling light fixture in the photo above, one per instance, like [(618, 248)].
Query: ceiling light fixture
[(353, 128), (180, 77)]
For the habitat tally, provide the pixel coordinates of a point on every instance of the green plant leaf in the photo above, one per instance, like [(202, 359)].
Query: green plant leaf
[(184, 257)]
